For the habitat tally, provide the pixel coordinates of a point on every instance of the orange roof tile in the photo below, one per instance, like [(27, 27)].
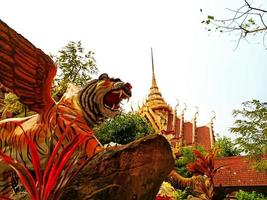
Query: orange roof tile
[(237, 172)]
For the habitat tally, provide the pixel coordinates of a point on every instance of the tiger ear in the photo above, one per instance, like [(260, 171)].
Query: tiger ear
[(103, 77)]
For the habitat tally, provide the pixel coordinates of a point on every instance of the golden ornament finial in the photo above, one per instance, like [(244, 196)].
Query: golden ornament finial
[(185, 108), (213, 117), (197, 112), (177, 105)]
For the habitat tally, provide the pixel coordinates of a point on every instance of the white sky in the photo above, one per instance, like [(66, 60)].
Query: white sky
[(198, 68)]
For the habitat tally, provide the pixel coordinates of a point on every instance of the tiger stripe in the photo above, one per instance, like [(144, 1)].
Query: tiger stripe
[(29, 72)]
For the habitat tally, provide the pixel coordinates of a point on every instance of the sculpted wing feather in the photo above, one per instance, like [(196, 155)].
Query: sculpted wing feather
[(26, 70)]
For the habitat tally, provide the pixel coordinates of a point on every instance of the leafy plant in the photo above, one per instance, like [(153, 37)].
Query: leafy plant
[(123, 129), (186, 156), (204, 165), (60, 168), (12, 105), (242, 195), (226, 147), (181, 194)]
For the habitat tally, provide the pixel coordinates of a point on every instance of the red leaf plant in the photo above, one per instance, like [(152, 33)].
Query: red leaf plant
[(204, 170), (60, 168), (204, 165)]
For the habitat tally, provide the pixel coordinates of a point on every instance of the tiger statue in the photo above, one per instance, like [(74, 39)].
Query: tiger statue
[(29, 73)]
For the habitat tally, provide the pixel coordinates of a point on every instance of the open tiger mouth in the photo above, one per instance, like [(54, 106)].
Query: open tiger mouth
[(112, 99)]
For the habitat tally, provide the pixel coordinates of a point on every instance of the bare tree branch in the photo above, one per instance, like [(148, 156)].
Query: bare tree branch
[(261, 17), (253, 8), (247, 20)]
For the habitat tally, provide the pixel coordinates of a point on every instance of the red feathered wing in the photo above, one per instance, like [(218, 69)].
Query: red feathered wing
[(26, 70)]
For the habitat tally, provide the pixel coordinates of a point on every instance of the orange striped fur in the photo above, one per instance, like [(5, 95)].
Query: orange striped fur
[(29, 73)]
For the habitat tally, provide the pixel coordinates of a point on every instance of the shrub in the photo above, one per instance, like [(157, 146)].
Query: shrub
[(123, 129), (242, 195)]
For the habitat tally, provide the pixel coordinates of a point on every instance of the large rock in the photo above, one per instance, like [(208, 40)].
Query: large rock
[(130, 172)]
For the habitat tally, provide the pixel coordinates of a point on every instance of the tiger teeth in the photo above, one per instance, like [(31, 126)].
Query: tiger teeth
[(121, 92), (113, 107)]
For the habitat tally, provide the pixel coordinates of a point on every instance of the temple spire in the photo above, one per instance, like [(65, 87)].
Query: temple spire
[(154, 93), (154, 83), (154, 90), (155, 109)]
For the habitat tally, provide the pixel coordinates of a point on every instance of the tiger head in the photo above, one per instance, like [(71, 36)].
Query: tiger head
[(102, 97)]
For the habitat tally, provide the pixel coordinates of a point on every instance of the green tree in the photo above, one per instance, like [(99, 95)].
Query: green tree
[(74, 66), (251, 129), (226, 147), (123, 129)]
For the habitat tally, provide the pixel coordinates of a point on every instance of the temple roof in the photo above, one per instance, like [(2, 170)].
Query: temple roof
[(165, 120), (237, 171), (155, 99)]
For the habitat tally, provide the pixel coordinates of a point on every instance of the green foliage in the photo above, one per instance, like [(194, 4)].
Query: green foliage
[(208, 20), (260, 166), (74, 66), (242, 195), (123, 129), (251, 128), (210, 17), (181, 194), (13, 106), (187, 156), (226, 147)]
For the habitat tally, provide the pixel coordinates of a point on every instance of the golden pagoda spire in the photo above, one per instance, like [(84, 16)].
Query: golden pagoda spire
[(155, 109), (154, 83), (154, 93)]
